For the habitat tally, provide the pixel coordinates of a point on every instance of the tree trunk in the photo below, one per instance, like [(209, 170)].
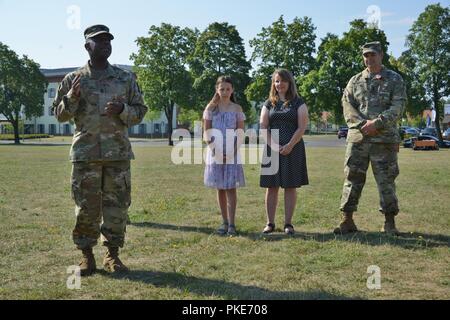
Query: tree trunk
[(15, 124), (437, 120), (169, 116)]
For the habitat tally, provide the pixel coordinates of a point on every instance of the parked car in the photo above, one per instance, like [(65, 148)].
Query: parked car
[(446, 134), (408, 143), (411, 132), (342, 133), (429, 132)]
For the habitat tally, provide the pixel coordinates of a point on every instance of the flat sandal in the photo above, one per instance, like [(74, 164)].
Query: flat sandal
[(269, 228)]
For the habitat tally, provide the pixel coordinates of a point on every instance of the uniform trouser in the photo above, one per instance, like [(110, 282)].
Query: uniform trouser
[(101, 191), (383, 159)]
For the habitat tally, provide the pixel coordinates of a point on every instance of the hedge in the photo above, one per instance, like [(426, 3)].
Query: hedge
[(24, 136)]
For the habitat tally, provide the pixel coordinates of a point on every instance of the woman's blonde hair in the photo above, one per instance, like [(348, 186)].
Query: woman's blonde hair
[(291, 94), (227, 79)]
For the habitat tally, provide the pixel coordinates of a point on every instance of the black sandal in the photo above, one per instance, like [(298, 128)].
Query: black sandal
[(289, 229), (270, 227)]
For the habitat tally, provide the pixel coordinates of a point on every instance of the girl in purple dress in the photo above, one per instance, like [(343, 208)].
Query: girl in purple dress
[(222, 120)]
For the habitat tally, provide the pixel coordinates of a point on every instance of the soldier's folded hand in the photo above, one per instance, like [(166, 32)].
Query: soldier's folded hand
[(369, 129), (114, 108)]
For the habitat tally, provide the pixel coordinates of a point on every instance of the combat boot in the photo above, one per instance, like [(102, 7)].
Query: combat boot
[(87, 264), (347, 224), (389, 225), (112, 263)]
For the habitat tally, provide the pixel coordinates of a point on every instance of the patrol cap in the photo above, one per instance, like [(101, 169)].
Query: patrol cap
[(96, 30), (374, 47)]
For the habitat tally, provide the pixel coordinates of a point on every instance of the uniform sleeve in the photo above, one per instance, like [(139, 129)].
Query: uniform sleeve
[(391, 116), (354, 118), (65, 105), (134, 110)]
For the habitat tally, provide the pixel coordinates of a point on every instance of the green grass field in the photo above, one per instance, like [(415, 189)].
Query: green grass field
[(173, 252)]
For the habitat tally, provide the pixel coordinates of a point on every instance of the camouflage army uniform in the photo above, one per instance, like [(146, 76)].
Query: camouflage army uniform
[(369, 97), (101, 151)]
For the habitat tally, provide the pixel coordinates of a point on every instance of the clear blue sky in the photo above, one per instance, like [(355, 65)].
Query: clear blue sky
[(40, 29)]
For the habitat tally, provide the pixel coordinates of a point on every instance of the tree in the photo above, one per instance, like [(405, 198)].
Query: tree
[(22, 88), (161, 67), (429, 46), (219, 51), (338, 60), (319, 88), (281, 45), (417, 100)]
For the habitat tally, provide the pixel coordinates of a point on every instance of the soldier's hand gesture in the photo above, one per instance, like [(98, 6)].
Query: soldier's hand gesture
[(75, 89)]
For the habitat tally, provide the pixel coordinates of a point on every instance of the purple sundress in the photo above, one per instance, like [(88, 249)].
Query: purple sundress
[(218, 175)]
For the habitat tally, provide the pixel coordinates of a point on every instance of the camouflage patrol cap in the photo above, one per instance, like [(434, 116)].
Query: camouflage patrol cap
[(96, 30), (374, 47)]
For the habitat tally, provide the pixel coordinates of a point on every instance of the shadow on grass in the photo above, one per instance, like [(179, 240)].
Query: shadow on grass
[(405, 240), (218, 288)]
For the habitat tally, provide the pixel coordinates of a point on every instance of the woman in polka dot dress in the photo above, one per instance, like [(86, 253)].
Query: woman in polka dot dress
[(286, 112), (223, 170)]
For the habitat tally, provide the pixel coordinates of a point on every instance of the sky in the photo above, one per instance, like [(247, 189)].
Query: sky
[(51, 31)]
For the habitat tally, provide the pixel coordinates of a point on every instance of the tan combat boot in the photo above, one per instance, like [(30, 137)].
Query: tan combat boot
[(347, 224), (112, 263), (389, 225), (87, 264)]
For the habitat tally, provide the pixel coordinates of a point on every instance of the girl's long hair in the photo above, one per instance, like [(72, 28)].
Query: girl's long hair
[(291, 94), (215, 100)]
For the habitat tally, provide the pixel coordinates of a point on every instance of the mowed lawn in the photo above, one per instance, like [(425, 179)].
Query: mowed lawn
[(172, 250)]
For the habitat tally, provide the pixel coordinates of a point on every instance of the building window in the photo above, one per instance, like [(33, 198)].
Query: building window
[(143, 129), (157, 128), (67, 130), (29, 128), (51, 93), (41, 128), (52, 129)]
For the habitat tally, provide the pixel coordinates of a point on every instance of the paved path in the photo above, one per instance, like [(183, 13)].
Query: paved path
[(311, 142)]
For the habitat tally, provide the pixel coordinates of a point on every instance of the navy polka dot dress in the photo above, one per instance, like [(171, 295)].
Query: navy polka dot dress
[(292, 171)]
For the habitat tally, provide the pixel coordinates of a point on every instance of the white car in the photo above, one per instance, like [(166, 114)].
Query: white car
[(446, 134)]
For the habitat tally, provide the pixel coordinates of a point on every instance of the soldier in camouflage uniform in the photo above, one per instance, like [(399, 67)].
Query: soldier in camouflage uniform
[(104, 101), (373, 103)]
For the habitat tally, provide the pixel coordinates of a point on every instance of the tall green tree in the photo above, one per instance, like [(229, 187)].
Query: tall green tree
[(161, 65), (219, 51), (318, 88), (417, 99), (429, 46), (22, 88), (281, 45), (338, 60)]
